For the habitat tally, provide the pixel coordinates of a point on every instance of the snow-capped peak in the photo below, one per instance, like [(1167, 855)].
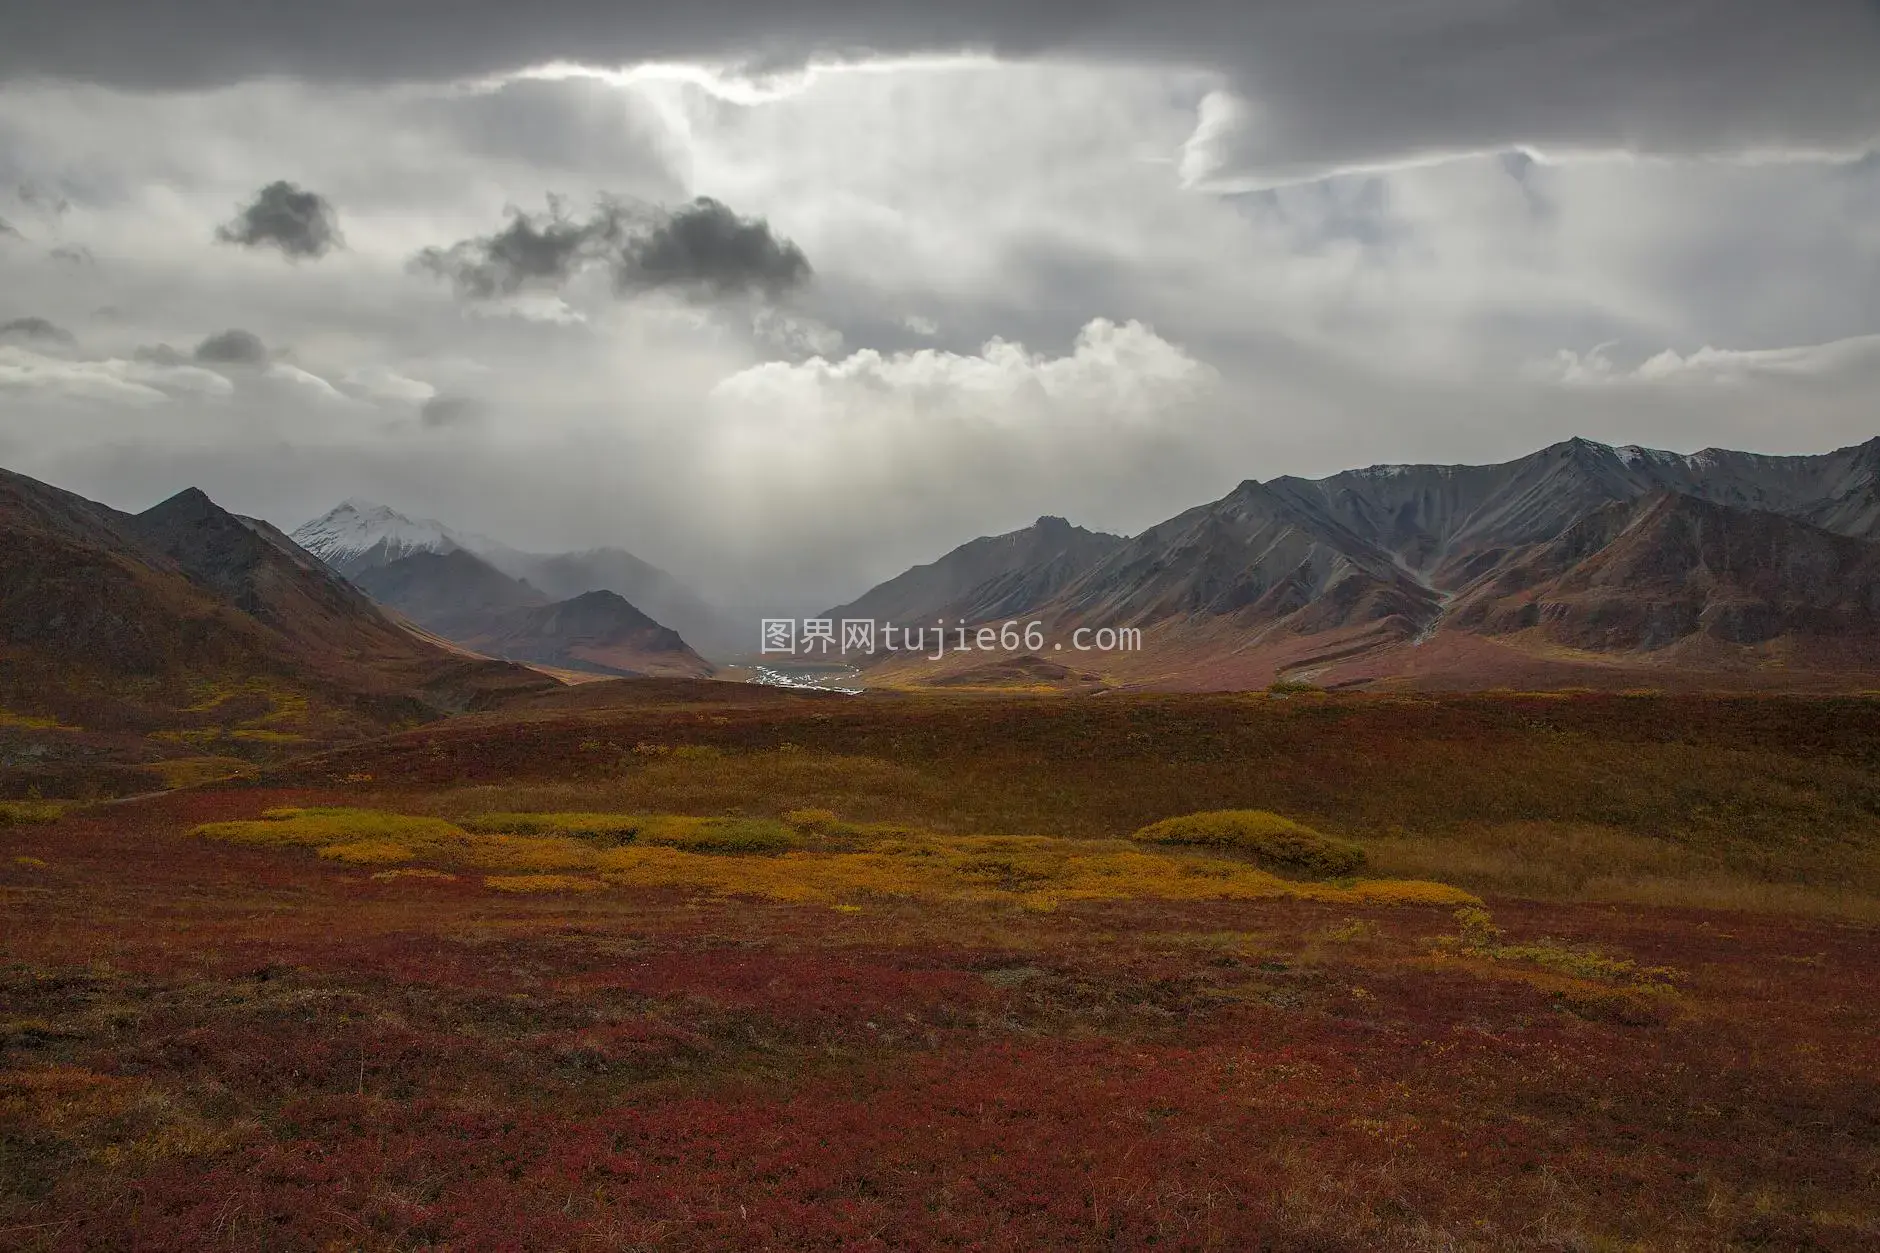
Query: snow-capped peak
[(360, 534)]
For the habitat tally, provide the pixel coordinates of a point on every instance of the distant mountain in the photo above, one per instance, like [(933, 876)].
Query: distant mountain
[(1667, 568), (455, 593), (115, 620), (356, 536), (563, 576), (997, 577), (1620, 556), (593, 631), (1252, 557), (464, 598)]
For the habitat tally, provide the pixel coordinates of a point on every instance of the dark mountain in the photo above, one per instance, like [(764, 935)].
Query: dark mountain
[(596, 631), (254, 567), (1627, 553), (356, 537), (1253, 557), (996, 577), (151, 619), (464, 598), (457, 594), (1652, 573), (563, 576), (80, 590)]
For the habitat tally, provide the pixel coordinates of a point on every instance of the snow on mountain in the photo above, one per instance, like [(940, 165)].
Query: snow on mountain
[(360, 535)]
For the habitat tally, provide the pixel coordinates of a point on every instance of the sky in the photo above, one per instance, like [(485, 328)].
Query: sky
[(785, 297)]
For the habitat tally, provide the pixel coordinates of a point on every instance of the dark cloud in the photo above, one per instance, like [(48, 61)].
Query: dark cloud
[(233, 347), (50, 203), (298, 222), (533, 250), (705, 245), (36, 328), (702, 248), (1335, 84), (441, 411), (7, 228), (73, 254)]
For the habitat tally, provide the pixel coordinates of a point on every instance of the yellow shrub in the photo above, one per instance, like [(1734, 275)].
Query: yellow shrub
[(317, 828), (1273, 840), (367, 853), (527, 852), (533, 883), (1407, 892), (811, 819), (719, 835), (845, 863), (21, 813), (414, 872), (602, 828), (32, 722)]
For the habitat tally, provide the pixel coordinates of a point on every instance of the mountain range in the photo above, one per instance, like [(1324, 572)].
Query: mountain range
[(1578, 565), (578, 610), (139, 637), (1582, 562)]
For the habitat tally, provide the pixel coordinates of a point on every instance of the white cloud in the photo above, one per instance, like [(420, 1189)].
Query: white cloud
[(110, 381), (1855, 357), (383, 384)]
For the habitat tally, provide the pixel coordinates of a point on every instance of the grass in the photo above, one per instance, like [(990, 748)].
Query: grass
[(193, 771), (1752, 802), (1273, 841), (21, 813), (839, 863), (891, 973)]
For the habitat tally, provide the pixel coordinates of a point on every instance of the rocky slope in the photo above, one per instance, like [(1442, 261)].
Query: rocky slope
[(1633, 555)]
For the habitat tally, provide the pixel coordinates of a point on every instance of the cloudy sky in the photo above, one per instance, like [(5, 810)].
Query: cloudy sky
[(787, 296)]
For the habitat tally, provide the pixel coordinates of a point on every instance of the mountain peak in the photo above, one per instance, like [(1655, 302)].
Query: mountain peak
[(358, 534), (191, 500)]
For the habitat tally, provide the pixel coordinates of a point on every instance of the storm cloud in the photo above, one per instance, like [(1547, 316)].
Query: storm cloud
[(1307, 89), (1106, 265), (299, 223), (36, 329), (702, 248), (232, 347), (441, 411)]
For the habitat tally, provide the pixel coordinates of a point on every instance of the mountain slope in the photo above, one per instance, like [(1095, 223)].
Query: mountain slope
[(358, 536), (1628, 556), (1656, 572), (1253, 557), (993, 577), (596, 631), (563, 576), (186, 615), (454, 593), (81, 592)]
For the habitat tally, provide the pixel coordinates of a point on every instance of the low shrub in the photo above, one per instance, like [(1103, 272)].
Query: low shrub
[(608, 829), (722, 835), (320, 827), (528, 853), (368, 853), (23, 813), (1274, 841)]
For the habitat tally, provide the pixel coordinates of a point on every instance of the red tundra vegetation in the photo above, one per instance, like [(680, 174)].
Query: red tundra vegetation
[(1638, 1015)]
